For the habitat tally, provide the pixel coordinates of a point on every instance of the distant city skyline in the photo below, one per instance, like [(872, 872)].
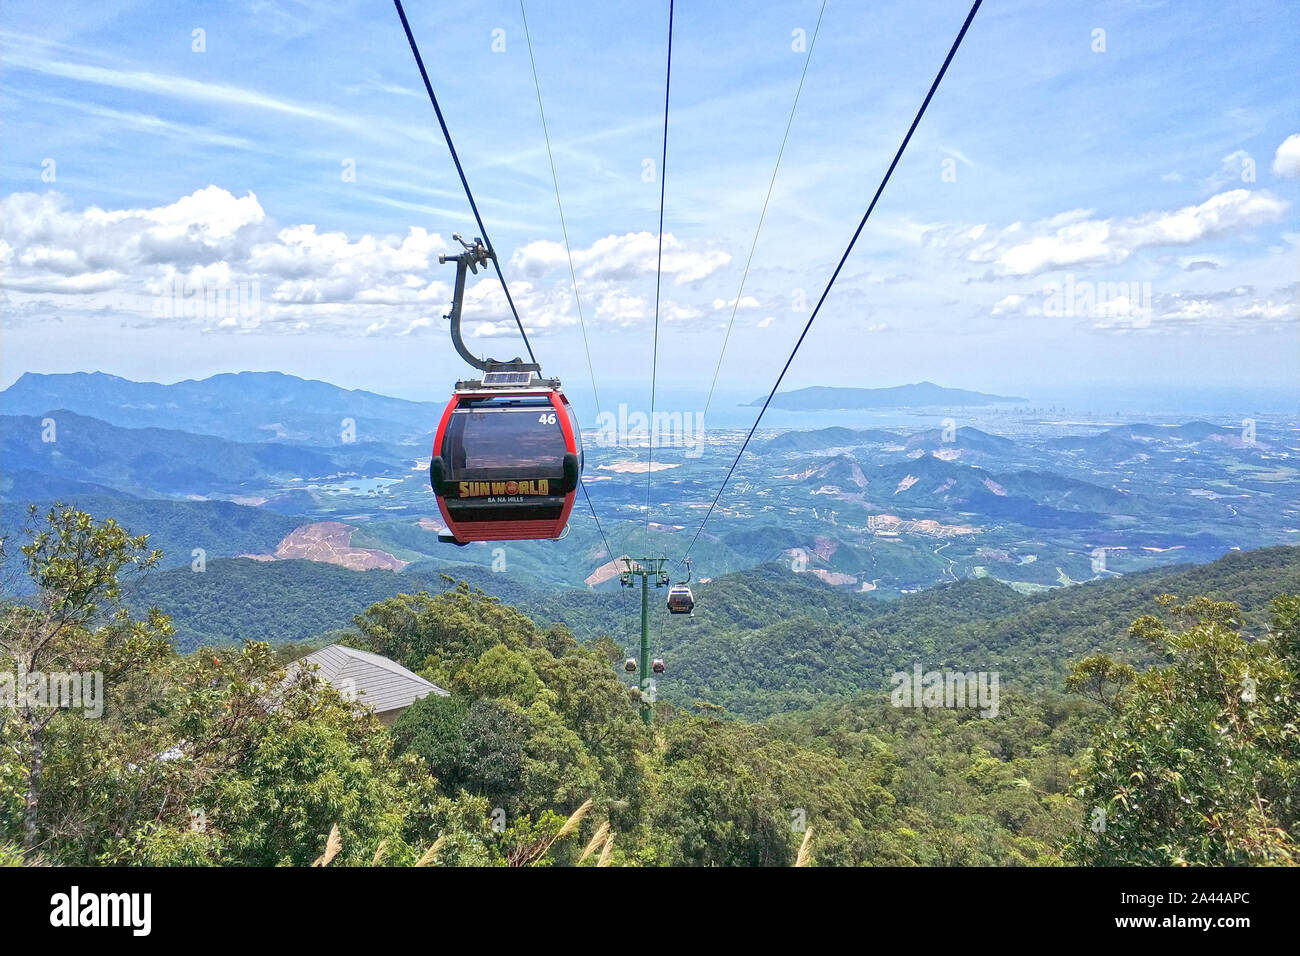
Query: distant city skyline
[(1099, 197)]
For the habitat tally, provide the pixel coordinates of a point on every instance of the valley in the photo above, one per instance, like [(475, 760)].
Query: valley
[(1003, 491)]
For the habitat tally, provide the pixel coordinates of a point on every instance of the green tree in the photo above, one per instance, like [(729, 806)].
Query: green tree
[(272, 760), (493, 762), (75, 624), (439, 635), (1202, 763), (434, 729)]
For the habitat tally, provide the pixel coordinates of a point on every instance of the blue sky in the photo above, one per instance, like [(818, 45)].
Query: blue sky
[(1169, 161)]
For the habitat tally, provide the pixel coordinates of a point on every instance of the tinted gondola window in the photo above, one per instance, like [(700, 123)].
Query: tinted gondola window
[(504, 440)]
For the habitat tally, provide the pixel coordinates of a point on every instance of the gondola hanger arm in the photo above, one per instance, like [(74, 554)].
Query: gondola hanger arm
[(476, 254)]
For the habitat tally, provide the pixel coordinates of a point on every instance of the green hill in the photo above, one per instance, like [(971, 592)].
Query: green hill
[(220, 528), (761, 641), (813, 646), (833, 437)]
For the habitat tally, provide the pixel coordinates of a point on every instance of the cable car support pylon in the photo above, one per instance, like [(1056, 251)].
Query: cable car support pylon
[(646, 569)]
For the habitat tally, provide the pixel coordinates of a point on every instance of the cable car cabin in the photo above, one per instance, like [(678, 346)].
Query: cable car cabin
[(680, 599), (506, 461)]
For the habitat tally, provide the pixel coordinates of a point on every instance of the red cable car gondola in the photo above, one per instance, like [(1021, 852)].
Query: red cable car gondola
[(506, 460), (507, 456)]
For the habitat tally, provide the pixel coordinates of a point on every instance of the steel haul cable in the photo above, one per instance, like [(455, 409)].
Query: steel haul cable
[(654, 359), (572, 272), (763, 214), (564, 229), (419, 61), (844, 258), (424, 75)]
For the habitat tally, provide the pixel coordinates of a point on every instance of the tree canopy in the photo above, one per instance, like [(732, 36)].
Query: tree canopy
[(1186, 741)]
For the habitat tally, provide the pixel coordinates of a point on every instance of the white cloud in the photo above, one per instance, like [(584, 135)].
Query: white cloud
[(1286, 161), (376, 85), (956, 154), (85, 283), (1137, 307), (416, 325), (495, 330), (605, 270), (1076, 238), (155, 125), (677, 312), (746, 302), (621, 258), (195, 260), (1008, 304), (178, 87), (1234, 169), (1181, 296), (542, 308), (181, 262), (1238, 310), (621, 308)]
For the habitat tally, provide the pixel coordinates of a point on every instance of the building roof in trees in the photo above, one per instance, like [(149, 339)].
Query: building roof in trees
[(377, 682)]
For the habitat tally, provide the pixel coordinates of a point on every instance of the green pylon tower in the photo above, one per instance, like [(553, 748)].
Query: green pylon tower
[(645, 569)]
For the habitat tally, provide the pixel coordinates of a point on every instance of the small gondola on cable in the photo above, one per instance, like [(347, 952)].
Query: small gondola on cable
[(507, 456), (680, 598)]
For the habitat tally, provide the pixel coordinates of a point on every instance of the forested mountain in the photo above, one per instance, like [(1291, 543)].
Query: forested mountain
[(537, 755), (760, 641), (177, 528), (814, 439), (1002, 493), (965, 438), (767, 641), (841, 558)]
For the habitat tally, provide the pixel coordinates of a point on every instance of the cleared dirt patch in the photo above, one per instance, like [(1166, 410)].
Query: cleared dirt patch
[(331, 542)]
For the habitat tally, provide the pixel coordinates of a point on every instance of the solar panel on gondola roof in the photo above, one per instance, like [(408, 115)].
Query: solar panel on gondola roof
[(496, 379)]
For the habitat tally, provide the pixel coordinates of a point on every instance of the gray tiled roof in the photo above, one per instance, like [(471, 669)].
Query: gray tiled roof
[(380, 684)]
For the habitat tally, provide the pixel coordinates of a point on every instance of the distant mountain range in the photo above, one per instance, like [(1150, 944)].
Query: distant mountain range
[(921, 394), (240, 406), (169, 462), (886, 510), (832, 437), (1030, 499), (964, 439), (1123, 442)]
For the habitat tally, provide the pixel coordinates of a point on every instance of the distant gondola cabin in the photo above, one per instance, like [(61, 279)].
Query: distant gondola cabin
[(680, 599)]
